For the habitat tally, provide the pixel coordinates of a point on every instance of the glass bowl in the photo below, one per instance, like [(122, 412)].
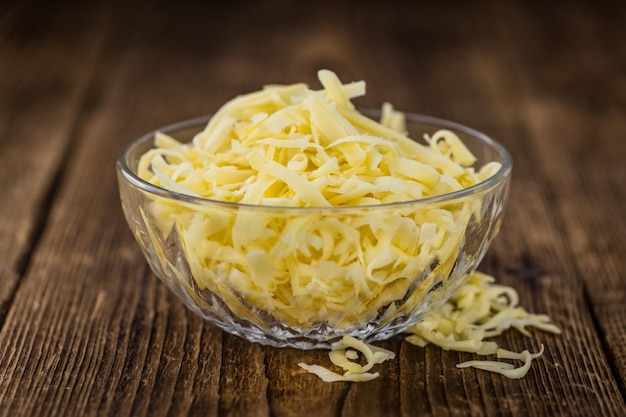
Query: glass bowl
[(283, 287)]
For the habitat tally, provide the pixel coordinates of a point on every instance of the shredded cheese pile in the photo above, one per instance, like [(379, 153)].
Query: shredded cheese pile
[(477, 311), (345, 355), (480, 310), (291, 146)]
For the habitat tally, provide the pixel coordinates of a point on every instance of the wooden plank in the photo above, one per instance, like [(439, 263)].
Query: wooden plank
[(531, 240), (243, 384), (545, 273), (380, 396), (89, 332), (294, 392), (48, 56), (575, 125)]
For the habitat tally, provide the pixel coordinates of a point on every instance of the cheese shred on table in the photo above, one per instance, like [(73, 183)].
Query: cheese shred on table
[(345, 355), (479, 310)]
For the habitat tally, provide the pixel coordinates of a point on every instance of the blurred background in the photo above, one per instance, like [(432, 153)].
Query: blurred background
[(449, 59)]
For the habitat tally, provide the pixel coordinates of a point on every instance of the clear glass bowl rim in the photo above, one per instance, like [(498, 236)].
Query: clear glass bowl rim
[(501, 175)]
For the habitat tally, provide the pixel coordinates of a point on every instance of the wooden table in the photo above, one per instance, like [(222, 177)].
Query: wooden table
[(87, 329)]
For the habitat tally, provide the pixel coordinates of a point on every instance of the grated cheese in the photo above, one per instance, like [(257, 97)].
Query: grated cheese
[(504, 368), (342, 356), (479, 310), (292, 146)]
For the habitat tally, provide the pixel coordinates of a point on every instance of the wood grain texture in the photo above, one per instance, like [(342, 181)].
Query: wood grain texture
[(88, 330), (42, 96)]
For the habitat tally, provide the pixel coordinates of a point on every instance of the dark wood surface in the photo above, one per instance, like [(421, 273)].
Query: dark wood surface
[(88, 330)]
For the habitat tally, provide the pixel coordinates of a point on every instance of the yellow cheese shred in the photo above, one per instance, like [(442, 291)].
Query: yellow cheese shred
[(344, 355), (505, 368)]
